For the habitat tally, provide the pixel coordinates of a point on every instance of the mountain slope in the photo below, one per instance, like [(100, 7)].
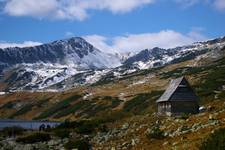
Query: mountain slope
[(75, 52), (65, 64), (42, 66), (155, 57)]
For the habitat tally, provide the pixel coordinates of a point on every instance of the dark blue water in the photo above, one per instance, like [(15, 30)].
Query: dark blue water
[(34, 125)]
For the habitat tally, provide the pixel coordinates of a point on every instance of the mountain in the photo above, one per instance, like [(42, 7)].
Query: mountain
[(73, 52), (155, 57), (41, 66), (69, 63)]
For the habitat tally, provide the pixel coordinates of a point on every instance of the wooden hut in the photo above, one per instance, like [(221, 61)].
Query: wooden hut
[(179, 98)]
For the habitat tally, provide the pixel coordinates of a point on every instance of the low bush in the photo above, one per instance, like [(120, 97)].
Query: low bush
[(12, 131), (62, 133), (88, 126), (72, 109), (34, 138), (155, 133), (22, 111), (82, 126), (184, 116), (64, 104), (215, 141), (141, 102), (77, 144)]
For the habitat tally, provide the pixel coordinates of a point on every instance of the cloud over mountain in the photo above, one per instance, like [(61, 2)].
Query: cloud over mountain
[(135, 42)]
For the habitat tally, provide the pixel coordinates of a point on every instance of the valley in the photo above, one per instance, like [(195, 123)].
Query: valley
[(117, 109)]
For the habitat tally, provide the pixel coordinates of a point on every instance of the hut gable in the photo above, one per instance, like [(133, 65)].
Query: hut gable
[(178, 90)]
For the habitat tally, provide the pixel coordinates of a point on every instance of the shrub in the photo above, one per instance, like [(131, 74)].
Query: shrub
[(72, 109), (215, 141), (155, 133), (141, 102), (34, 137), (58, 107), (62, 133), (87, 126), (77, 144), (184, 116), (22, 111), (12, 131), (8, 105)]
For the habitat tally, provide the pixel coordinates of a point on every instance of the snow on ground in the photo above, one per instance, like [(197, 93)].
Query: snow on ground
[(46, 75), (96, 77), (87, 95), (2, 93)]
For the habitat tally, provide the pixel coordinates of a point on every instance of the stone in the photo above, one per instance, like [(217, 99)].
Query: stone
[(133, 143), (165, 143), (125, 126), (211, 117), (175, 143), (113, 148)]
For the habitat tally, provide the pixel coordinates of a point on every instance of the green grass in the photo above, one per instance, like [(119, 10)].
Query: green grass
[(213, 81), (72, 109), (28, 107), (89, 108), (8, 105), (141, 102), (215, 141), (34, 138), (178, 72), (58, 107), (22, 111), (77, 144)]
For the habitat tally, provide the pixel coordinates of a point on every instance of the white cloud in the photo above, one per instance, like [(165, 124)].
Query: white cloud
[(31, 8), (219, 4), (69, 34), (187, 3), (69, 9), (24, 44), (100, 42), (135, 42)]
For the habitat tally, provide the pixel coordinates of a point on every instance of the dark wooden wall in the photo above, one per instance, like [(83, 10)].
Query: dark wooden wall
[(184, 107)]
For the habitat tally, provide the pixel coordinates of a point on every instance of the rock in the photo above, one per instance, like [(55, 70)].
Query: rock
[(133, 143), (27, 147), (157, 122), (113, 148), (125, 126), (210, 108), (211, 117), (202, 109), (166, 133), (175, 143), (52, 143), (182, 128), (42, 146), (165, 143)]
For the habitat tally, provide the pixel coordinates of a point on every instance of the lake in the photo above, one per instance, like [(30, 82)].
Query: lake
[(33, 124)]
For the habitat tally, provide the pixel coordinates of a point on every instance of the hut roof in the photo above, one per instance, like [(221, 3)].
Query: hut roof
[(169, 95)]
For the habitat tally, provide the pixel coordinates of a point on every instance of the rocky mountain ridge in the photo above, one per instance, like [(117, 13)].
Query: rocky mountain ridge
[(65, 64)]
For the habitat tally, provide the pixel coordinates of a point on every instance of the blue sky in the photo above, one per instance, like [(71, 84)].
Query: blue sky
[(111, 25)]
